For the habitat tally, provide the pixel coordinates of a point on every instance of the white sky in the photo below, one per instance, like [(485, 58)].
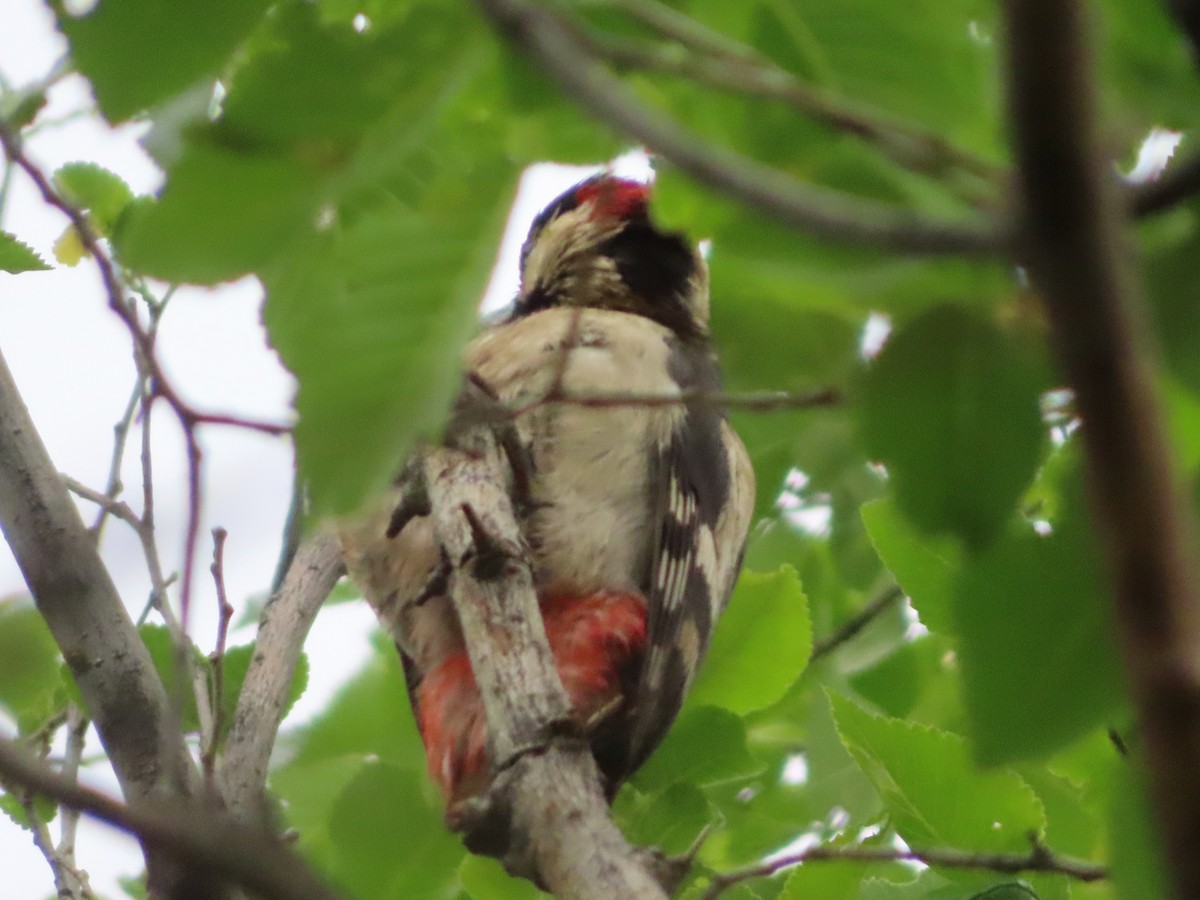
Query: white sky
[(71, 360)]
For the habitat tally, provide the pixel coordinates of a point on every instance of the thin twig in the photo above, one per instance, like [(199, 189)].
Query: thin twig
[(208, 753), (1039, 859), (69, 883), (856, 623), (825, 213), (143, 341), (77, 726)]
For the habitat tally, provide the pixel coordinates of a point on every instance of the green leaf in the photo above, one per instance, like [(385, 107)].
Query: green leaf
[(706, 745), (137, 53), (826, 880), (166, 658), (670, 819), (767, 621), (372, 319), (932, 791), (225, 211), (925, 567), (484, 878), (17, 256), (950, 406), (90, 187), (44, 808), (30, 675), (388, 841), (1139, 869), (369, 715), (1039, 658)]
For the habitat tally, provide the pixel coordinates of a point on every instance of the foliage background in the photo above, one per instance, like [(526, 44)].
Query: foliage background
[(359, 159)]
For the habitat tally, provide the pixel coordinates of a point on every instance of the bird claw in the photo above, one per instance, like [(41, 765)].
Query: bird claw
[(414, 495)]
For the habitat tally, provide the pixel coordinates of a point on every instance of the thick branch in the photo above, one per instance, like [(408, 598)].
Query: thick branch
[(225, 849), (547, 791), (76, 596), (824, 213), (282, 628), (1072, 239)]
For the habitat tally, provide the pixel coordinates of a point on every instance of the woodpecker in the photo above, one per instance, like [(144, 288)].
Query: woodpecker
[(638, 512)]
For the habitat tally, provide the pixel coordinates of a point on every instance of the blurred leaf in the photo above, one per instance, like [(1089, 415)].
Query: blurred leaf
[(892, 683), (925, 567), (670, 820), (69, 249), (1038, 653), (225, 211), (30, 679), (166, 658), (372, 319), (368, 715), (1139, 865), (484, 878), (103, 194), (17, 256), (706, 745), (44, 808), (950, 406), (388, 841), (1140, 46), (767, 621), (139, 52), (934, 794), (826, 880)]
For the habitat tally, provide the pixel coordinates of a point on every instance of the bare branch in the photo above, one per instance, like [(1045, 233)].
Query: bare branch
[(856, 623), (69, 882), (208, 753), (818, 211), (1039, 859), (282, 628), (75, 594), (553, 822), (207, 841), (924, 152), (1072, 237)]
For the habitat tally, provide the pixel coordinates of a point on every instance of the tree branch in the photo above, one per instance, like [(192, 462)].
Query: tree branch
[(1180, 181), (207, 841), (923, 152), (1039, 859), (75, 594), (282, 628), (545, 813), (818, 211), (1072, 239), (856, 623)]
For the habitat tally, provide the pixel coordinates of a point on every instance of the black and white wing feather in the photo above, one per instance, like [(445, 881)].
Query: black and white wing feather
[(703, 496)]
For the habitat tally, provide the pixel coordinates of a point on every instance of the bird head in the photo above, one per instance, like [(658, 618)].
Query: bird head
[(596, 246)]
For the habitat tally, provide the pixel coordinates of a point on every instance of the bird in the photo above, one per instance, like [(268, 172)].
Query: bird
[(637, 512)]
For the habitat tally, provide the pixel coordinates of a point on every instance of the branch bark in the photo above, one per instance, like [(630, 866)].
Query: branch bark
[(546, 799), (817, 211), (282, 628), (1072, 238), (76, 596)]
